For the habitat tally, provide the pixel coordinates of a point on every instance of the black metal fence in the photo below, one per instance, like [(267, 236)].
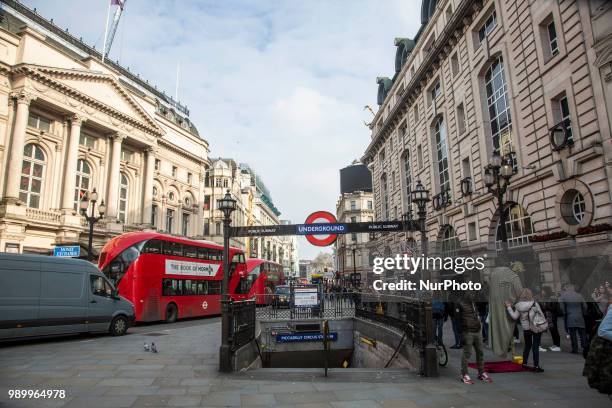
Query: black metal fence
[(329, 306), (410, 315), (242, 326)]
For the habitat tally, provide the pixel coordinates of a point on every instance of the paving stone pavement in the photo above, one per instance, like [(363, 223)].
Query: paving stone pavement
[(104, 371)]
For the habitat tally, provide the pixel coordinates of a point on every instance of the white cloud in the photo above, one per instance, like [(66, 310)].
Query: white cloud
[(280, 85)]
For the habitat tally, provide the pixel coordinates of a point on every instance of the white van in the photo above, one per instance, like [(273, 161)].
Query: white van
[(46, 296)]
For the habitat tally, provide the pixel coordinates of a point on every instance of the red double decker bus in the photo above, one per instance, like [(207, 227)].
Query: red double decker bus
[(260, 280), (167, 277)]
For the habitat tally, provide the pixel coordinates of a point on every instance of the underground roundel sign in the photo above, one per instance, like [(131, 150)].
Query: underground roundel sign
[(320, 217)]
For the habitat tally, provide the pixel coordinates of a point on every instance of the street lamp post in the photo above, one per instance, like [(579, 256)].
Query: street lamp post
[(420, 196), (354, 277), (91, 219), (497, 179), (226, 205)]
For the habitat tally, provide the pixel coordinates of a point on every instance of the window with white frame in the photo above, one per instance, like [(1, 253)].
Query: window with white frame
[(353, 205), (87, 141), (449, 241), (500, 118), (434, 91), (565, 116), (185, 229), (553, 42), (127, 155), (32, 171), (154, 215), (83, 181), (441, 155), (169, 220), (123, 198), (385, 197), (39, 122), (407, 180), (487, 26), (518, 227), (578, 207)]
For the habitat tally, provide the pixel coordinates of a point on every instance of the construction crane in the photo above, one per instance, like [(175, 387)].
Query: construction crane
[(109, 32)]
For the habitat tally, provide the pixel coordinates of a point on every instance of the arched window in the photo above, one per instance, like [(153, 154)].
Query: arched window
[(123, 198), (32, 170), (441, 155), (518, 227), (407, 179), (385, 197), (83, 181), (500, 119), (448, 240)]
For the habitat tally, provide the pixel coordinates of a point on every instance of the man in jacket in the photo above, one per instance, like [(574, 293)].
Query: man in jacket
[(574, 307), (466, 313)]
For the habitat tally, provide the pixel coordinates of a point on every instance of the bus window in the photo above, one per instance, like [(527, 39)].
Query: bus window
[(203, 253), (115, 270), (214, 287), (173, 248), (153, 246), (190, 251)]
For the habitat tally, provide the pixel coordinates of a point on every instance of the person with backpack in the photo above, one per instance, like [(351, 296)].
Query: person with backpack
[(466, 312), (533, 322)]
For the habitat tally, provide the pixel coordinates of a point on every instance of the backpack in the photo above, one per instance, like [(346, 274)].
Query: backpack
[(437, 308), (537, 320)]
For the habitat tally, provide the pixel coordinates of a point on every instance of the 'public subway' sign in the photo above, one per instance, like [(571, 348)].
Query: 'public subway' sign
[(174, 267)]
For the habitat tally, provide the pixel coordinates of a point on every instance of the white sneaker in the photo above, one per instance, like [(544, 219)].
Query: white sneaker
[(517, 341), (543, 350), (555, 348)]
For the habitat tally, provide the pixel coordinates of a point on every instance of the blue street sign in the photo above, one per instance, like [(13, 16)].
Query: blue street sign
[(67, 251), (303, 337)]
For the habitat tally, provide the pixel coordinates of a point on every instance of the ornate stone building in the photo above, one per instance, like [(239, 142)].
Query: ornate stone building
[(530, 80), (70, 123)]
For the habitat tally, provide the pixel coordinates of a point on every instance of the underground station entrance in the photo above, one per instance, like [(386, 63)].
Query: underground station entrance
[(315, 328)]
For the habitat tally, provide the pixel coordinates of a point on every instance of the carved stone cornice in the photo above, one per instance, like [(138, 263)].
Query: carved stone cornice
[(23, 97), (77, 119), (44, 74)]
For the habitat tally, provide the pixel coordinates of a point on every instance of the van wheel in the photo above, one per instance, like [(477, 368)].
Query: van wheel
[(119, 326), (171, 313)]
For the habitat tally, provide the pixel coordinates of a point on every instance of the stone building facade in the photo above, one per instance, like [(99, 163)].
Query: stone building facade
[(530, 80), (70, 123), (352, 252)]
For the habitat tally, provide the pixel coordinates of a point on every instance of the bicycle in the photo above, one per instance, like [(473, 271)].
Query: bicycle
[(442, 353)]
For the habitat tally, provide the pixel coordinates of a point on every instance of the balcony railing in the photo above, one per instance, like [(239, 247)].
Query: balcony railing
[(34, 214)]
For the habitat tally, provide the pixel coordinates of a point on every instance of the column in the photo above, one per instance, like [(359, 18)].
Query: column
[(15, 158), (113, 180), (71, 162), (148, 185)]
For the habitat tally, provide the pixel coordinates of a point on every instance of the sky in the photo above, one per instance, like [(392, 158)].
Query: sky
[(280, 85)]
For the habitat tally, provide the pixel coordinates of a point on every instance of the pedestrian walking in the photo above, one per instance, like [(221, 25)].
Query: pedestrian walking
[(533, 323), (552, 311), (574, 308), (466, 312), (456, 323), (440, 315)]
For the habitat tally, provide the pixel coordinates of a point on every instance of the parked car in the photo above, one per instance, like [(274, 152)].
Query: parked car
[(282, 296), (48, 296)]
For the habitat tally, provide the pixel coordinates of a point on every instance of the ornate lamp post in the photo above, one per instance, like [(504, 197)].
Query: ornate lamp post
[(420, 196), (227, 205), (497, 179), (91, 219)]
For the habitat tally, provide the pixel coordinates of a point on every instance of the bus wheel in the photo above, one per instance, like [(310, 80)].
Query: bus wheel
[(171, 313), (119, 326)]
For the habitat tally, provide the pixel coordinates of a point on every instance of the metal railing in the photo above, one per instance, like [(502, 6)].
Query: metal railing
[(410, 315), (242, 325), (331, 306)]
